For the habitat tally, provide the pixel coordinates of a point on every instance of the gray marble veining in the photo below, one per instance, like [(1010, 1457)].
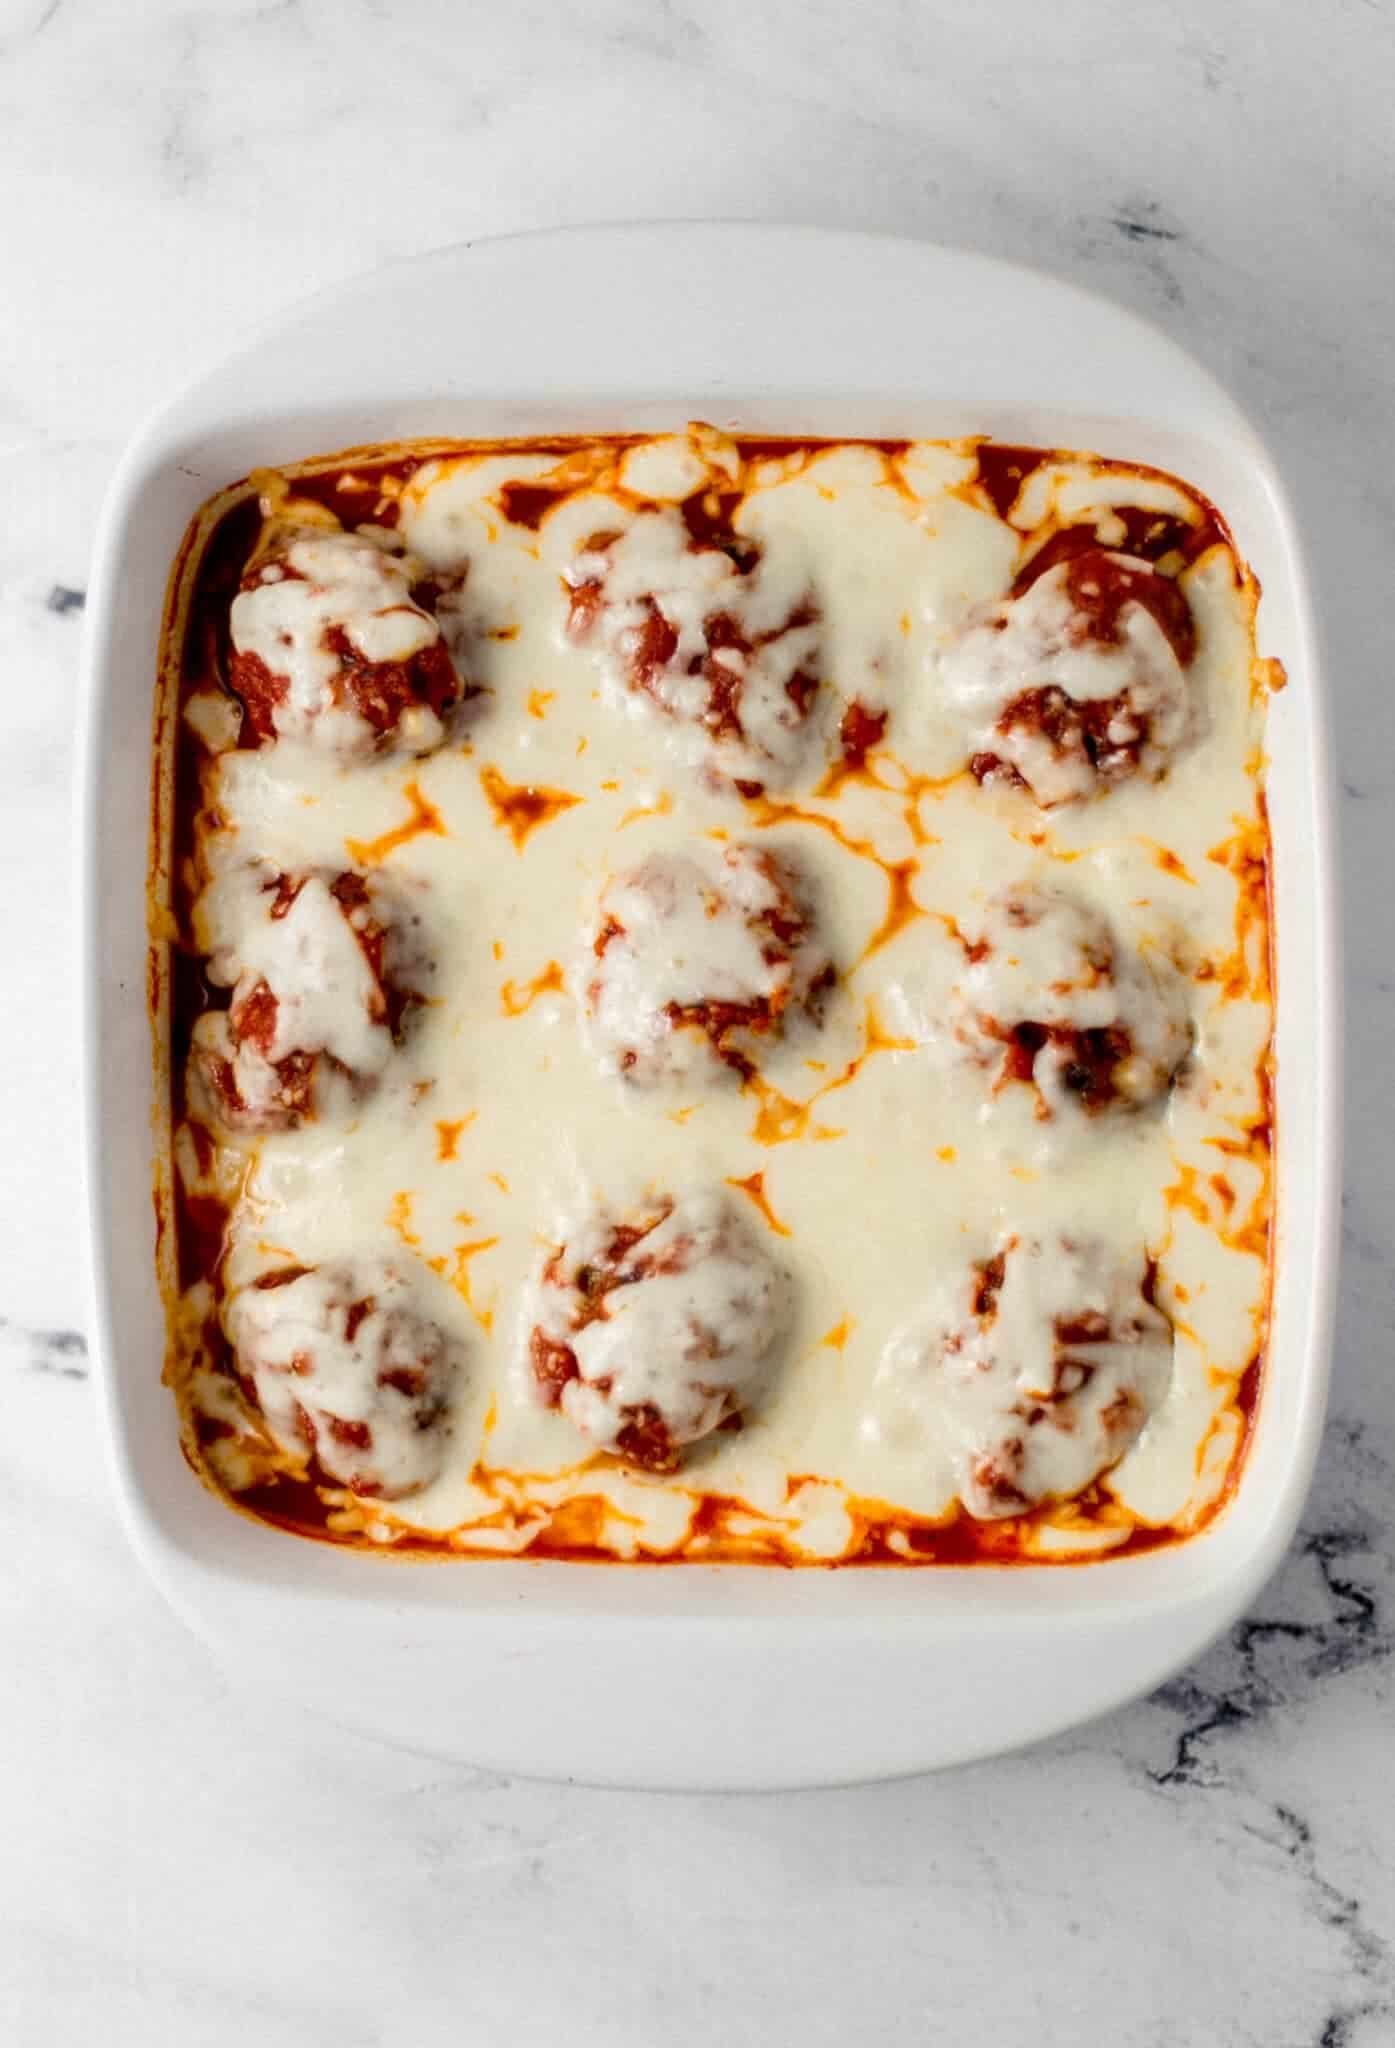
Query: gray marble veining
[(186, 1861)]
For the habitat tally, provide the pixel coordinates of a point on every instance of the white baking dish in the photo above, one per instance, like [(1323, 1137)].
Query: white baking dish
[(691, 1676)]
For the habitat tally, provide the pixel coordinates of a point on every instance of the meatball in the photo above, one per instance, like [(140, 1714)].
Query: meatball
[(717, 633), (1051, 999), (323, 970), (690, 970), (1078, 680), (651, 1330), (1046, 1368), (335, 644), (347, 1370)]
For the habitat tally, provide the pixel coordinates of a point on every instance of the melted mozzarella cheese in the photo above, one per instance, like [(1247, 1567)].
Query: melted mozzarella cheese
[(1028, 1414), (653, 563), (342, 582), (327, 997), (1028, 643), (342, 1355), (1044, 957), (678, 933), (860, 1151), (690, 1339)]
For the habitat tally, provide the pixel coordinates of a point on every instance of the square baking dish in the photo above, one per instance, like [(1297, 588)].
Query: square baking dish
[(608, 1672)]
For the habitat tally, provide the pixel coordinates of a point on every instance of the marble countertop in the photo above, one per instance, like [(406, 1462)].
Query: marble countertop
[(187, 1862)]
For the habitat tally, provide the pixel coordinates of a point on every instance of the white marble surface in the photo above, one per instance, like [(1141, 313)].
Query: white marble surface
[(181, 1861)]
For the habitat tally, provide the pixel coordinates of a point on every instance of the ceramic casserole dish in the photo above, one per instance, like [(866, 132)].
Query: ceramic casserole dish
[(721, 1675)]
